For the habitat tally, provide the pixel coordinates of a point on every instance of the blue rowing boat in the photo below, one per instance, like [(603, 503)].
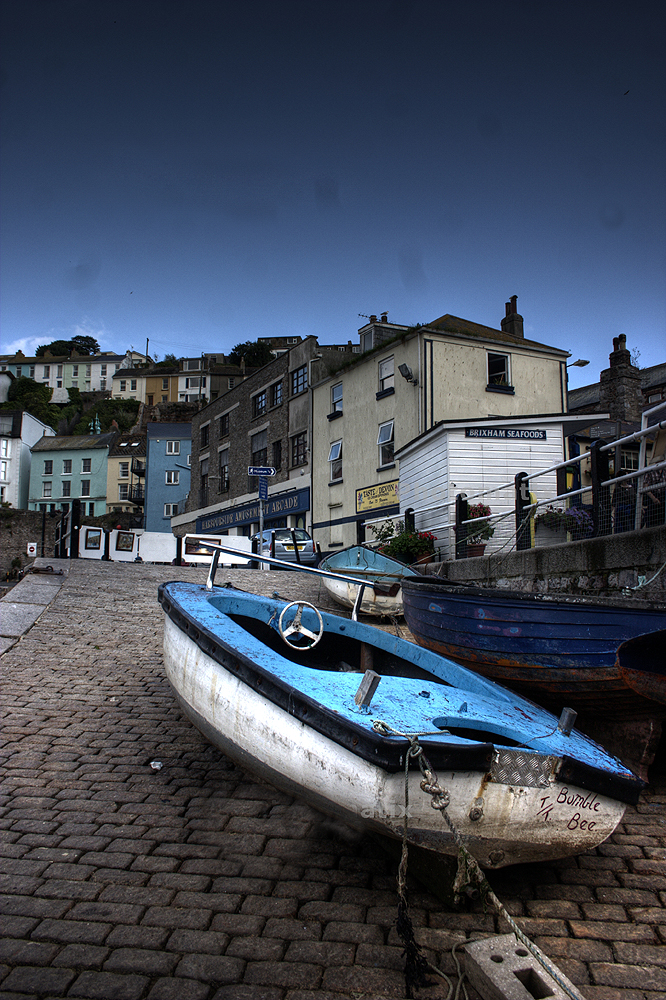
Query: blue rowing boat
[(554, 648), (328, 708)]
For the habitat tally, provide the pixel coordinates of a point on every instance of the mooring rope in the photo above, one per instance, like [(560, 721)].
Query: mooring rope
[(440, 801)]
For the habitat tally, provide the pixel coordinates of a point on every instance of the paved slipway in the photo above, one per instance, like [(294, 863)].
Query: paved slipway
[(197, 882)]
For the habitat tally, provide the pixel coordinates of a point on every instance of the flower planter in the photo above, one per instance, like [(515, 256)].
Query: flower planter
[(549, 536), (475, 549)]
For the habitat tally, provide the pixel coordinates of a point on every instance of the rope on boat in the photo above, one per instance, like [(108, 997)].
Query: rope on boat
[(468, 866)]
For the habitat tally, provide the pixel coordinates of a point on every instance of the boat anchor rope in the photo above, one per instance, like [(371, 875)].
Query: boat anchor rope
[(416, 964)]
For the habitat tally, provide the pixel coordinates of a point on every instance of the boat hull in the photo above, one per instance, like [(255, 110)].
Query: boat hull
[(383, 596), (519, 822), (562, 652)]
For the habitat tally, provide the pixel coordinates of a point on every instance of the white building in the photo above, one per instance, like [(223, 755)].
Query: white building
[(19, 431)]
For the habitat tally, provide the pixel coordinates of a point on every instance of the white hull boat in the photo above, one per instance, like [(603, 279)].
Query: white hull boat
[(521, 789)]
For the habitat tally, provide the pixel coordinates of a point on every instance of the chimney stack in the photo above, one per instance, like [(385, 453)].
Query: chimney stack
[(513, 321)]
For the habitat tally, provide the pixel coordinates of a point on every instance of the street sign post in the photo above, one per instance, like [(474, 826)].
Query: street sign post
[(260, 470)]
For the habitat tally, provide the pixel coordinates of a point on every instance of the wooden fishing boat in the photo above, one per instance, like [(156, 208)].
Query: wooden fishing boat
[(252, 674), (384, 575), (642, 665), (561, 650)]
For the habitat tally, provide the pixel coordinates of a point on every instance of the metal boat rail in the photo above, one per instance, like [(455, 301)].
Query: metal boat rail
[(217, 550)]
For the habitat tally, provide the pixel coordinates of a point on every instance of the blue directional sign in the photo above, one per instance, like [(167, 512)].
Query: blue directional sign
[(263, 488), (260, 470)]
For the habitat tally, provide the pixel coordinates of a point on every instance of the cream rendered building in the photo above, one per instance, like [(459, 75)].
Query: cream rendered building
[(407, 380)]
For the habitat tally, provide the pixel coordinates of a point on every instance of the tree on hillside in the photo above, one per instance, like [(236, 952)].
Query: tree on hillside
[(255, 353), (79, 345), (33, 397)]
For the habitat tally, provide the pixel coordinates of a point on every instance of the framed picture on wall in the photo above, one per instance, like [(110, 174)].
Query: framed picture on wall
[(124, 541), (93, 538)]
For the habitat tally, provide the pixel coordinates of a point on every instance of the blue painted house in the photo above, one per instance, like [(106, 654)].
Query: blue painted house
[(167, 473)]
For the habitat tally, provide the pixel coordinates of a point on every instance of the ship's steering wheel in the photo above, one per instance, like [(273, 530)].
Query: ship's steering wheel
[(297, 629)]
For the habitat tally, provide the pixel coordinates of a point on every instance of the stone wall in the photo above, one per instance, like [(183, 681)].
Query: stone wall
[(601, 566), (17, 528)]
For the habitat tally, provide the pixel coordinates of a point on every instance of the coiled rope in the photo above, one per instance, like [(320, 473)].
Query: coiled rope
[(416, 964)]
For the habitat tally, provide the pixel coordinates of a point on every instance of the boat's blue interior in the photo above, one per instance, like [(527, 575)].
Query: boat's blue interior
[(360, 560), (463, 703)]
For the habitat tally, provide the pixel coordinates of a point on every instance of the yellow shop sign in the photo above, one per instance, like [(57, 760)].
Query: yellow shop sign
[(377, 497)]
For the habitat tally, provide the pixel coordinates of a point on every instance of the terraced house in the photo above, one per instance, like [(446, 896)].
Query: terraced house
[(65, 468)]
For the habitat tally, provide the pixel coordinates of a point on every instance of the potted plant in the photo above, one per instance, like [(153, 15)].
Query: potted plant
[(479, 533), (560, 520), (407, 546)]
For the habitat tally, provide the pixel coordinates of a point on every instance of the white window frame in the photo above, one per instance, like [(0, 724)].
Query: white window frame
[(173, 447), (385, 437), (85, 487), (386, 373), (172, 477), (497, 377), (336, 398), (335, 462), (170, 509), (123, 470), (47, 489), (123, 492)]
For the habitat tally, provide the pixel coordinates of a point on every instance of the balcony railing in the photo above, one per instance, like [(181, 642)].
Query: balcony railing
[(137, 495), (138, 467)]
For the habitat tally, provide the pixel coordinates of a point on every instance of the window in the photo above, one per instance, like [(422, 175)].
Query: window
[(335, 461), (171, 477), (170, 509), (150, 399), (85, 487), (123, 385), (194, 383), (205, 434), (75, 371), (224, 425), (19, 371), (47, 489), (336, 398), (386, 374), (86, 464), (59, 383), (32, 371), (47, 371), (299, 449), (3, 469), (193, 366), (203, 473), (299, 380), (277, 454), (133, 385), (123, 470), (259, 448), (276, 394), (165, 383), (498, 370), (75, 383), (88, 371), (259, 404), (123, 491), (102, 383), (224, 471), (4, 448), (66, 488), (59, 371), (164, 399), (173, 447), (102, 370), (66, 466), (48, 467), (628, 460), (117, 368), (385, 443)]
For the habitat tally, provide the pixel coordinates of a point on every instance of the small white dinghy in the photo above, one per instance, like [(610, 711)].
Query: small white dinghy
[(382, 574), (274, 685)]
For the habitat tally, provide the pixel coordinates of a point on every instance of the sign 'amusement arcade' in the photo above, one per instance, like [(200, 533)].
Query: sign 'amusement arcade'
[(290, 502)]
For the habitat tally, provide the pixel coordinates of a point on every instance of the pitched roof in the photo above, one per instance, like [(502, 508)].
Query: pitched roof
[(74, 442)]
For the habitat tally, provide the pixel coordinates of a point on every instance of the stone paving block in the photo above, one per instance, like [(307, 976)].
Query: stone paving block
[(179, 989), (108, 986), (81, 956), (34, 980), (211, 968), (501, 968)]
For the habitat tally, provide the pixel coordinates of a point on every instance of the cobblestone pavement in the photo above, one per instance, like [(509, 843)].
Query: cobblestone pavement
[(196, 882)]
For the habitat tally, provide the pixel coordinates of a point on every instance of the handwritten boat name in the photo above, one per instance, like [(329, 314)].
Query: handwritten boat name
[(578, 820)]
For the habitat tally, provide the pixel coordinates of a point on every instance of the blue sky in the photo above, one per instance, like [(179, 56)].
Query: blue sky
[(203, 173)]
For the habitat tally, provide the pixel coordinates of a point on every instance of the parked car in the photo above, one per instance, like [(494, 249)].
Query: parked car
[(284, 545)]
